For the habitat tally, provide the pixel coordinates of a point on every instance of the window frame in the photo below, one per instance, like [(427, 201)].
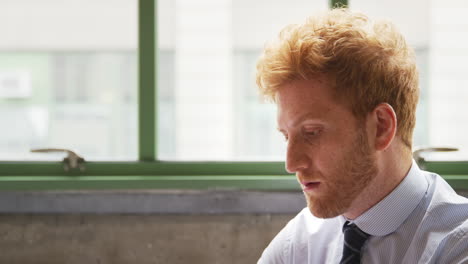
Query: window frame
[(149, 172)]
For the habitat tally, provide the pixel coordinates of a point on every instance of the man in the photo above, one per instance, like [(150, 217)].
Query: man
[(346, 90)]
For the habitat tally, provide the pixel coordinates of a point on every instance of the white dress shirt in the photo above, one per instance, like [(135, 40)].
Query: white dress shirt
[(422, 220)]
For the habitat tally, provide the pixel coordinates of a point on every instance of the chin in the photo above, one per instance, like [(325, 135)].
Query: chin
[(325, 208)]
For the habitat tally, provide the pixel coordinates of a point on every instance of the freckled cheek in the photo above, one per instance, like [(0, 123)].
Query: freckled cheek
[(317, 155), (327, 157)]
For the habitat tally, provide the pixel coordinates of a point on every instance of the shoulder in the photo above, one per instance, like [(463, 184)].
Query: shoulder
[(293, 242), (277, 251), (445, 205), (447, 222)]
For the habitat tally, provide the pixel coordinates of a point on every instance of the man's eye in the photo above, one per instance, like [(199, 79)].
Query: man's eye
[(312, 133)]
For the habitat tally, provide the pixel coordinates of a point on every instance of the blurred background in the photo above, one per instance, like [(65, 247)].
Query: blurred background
[(68, 75)]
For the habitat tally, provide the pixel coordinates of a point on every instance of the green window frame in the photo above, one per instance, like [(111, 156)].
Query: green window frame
[(149, 172)]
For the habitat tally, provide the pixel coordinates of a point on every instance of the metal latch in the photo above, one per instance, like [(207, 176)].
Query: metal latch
[(71, 161), (420, 159)]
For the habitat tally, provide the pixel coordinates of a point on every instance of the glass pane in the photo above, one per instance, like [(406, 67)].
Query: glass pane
[(208, 104), (437, 31), (68, 78)]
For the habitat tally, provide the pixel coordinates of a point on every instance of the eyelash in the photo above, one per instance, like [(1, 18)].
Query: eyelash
[(313, 133)]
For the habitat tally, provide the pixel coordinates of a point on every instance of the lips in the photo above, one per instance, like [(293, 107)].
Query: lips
[(310, 185)]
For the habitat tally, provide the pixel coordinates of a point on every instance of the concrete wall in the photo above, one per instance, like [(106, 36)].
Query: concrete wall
[(153, 226), (116, 239)]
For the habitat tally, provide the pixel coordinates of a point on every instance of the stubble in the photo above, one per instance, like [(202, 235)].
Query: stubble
[(351, 175)]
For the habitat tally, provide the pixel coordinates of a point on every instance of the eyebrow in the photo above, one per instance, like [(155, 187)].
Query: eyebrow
[(304, 117)]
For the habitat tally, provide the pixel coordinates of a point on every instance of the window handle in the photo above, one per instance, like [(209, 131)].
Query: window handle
[(71, 161), (418, 157)]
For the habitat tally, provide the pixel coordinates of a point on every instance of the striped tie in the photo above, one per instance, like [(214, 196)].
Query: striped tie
[(354, 239)]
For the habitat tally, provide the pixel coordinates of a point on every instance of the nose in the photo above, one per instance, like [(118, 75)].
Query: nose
[(296, 157)]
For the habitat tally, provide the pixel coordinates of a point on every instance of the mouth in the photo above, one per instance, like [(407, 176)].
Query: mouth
[(310, 186)]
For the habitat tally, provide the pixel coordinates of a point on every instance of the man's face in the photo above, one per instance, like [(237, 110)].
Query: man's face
[(327, 147)]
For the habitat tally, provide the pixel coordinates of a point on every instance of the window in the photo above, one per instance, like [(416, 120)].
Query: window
[(208, 106), (68, 78), (148, 138)]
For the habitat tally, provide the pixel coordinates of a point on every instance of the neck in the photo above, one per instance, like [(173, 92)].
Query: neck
[(392, 167)]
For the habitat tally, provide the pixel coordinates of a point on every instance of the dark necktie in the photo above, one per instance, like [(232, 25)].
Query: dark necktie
[(354, 239)]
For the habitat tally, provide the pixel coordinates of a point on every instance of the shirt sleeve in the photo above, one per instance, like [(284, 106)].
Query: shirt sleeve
[(276, 251)]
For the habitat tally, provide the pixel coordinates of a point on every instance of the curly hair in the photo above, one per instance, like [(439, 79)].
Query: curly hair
[(368, 63)]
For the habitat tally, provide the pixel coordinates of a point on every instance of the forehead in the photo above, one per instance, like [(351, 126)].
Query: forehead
[(308, 99)]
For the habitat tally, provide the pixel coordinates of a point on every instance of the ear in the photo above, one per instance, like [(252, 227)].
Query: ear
[(385, 122)]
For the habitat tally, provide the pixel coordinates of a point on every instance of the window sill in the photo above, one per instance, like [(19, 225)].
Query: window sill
[(175, 175)]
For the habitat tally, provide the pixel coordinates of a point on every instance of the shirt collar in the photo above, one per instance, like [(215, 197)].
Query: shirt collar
[(387, 215)]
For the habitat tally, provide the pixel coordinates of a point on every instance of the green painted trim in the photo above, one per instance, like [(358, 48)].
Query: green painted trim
[(247, 182), (447, 167), (458, 182), (144, 168), (147, 53), (183, 168), (338, 3), (253, 182)]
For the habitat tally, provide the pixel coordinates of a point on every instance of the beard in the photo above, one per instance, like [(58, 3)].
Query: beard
[(346, 181)]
